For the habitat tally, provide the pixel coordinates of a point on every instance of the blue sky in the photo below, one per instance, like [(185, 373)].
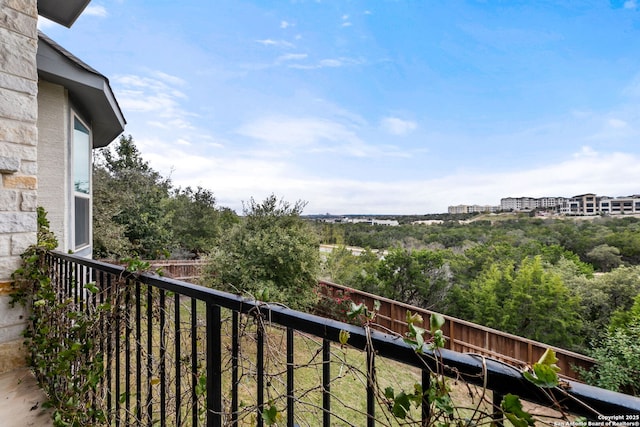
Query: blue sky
[(378, 106)]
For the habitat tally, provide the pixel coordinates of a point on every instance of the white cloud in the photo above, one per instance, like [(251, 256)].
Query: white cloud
[(158, 97), (291, 57), (95, 10), (297, 132), (617, 123), (397, 126), (285, 24), (631, 4), (327, 63), (278, 43), (168, 78), (613, 129), (331, 63)]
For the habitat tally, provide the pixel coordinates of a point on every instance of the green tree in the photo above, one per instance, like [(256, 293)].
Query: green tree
[(134, 199), (540, 307), (618, 356), (348, 269), (605, 257), (196, 221), (272, 253), (603, 295), (526, 301), (109, 240), (417, 277)]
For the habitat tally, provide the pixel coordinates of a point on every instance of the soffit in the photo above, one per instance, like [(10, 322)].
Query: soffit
[(64, 12)]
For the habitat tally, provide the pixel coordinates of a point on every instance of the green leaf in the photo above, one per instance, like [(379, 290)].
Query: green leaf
[(356, 309), (389, 393), (549, 358), (512, 408), (436, 321), (91, 287), (543, 376), (401, 405), (344, 337), (414, 318), (270, 415), (545, 371)]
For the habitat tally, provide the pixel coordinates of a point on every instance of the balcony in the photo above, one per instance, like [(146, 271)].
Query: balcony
[(139, 349)]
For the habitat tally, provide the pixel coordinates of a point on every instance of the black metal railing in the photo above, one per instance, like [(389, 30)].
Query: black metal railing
[(180, 354)]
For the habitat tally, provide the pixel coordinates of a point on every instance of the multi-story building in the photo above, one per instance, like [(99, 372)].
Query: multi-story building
[(518, 204), (464, 209), (583, 204), (580, 205), (619, 205)]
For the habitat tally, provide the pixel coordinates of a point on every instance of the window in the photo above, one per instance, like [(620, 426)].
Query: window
[(81, 146)]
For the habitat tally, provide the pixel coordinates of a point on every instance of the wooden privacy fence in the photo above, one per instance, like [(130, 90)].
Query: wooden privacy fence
[(463, 336), (187, 270)]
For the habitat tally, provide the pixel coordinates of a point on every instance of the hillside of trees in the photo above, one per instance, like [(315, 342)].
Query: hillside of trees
[(566, 282)]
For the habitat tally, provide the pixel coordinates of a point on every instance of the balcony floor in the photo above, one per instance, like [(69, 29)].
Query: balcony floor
[(21, 401)]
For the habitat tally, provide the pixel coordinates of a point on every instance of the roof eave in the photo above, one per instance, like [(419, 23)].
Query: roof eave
[(89, 90), (62, 12)]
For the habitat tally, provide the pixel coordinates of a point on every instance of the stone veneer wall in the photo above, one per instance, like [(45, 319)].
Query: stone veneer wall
[(18, 160)]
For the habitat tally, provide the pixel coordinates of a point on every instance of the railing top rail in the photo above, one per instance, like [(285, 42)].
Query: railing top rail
[(463, 322), (472, 368)]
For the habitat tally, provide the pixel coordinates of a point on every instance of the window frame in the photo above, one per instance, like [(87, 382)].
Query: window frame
[(88, 196)]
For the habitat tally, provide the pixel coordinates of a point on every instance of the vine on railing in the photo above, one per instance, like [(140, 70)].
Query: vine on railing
[(444, 410), (70, 365)]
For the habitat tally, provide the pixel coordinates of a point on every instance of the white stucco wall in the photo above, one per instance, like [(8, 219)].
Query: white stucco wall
[(54, 158)]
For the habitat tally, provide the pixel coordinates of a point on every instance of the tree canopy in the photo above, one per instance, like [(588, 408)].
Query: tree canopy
[(138, 212), (271, 254)]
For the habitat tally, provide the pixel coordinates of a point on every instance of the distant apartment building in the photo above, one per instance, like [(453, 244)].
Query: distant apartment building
[(518, 204), (466, 209), (581, 205), (370, 221), (619, 205)]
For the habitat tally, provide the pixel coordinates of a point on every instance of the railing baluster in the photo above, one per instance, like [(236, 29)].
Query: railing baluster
[(127, 350), (195, 378), (138, 354), (371, 387), (290, 377), (163, 354), (113, 339), (497, 413), (149, 355), (235, 349), (178, 358), (214, 366), (260, 373), (426, 407), (326, 383)]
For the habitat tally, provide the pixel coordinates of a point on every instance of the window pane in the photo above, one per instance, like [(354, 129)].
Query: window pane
[(82, 221), (81, 159)]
